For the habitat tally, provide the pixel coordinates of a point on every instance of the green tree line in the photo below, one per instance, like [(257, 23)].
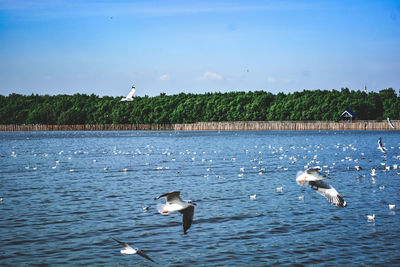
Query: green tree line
[(325, 105)]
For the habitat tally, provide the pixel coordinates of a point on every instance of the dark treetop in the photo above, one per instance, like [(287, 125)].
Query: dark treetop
[(325, 105)]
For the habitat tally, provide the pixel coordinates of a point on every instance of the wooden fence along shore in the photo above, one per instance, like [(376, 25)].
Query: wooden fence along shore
[(216, 126)]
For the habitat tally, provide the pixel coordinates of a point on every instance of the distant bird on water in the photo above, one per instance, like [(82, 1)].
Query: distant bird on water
[(129, 96), (129, 250), (314, 179), (371, 218), (380, 146), (175, 203)]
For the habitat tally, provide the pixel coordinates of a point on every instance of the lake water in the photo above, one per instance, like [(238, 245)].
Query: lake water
[(61, 206)]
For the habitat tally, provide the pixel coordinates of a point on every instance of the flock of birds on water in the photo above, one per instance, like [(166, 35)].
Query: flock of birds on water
[(311, 175)]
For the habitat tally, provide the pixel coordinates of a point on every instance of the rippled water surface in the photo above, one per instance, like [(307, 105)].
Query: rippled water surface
[(67, 194)]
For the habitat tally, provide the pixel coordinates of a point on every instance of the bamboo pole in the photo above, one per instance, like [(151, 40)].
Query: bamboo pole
[(215, 126)]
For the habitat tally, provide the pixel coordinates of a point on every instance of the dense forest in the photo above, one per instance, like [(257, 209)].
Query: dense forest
[(188, 108)]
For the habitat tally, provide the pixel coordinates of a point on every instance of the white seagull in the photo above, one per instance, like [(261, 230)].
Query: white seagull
[(129, 250), (392, 206), (145, 208), (175, 203), (371, 218), (380, 146), (314, 179), (129, 96), (390, 123)]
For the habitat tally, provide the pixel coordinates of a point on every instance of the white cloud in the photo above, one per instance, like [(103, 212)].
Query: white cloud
[(209, 76), (164, 77), (271, 80)]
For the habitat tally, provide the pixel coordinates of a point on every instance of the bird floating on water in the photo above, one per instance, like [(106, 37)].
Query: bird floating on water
[(279, 189), (129, 96), (392, 206), (371, 218), (314, 179), (129, 250), (175, 203), (253, 196)]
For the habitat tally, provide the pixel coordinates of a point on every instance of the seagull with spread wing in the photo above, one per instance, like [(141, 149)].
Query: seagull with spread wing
[(313, 177), (129, 96), (129, 250), (175, 203), (380, 145)]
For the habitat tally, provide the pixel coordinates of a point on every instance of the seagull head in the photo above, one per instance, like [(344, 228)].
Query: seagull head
[(301, 178), (191, 202)]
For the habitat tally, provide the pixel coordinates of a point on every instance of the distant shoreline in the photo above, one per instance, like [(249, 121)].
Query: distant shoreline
[(215, 126)]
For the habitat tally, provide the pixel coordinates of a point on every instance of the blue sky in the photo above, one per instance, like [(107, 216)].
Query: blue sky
[(102, 47)]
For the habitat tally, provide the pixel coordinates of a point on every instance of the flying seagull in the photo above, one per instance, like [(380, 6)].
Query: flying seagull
[(129, 96), (129, 250), (314, 179), (390, 123), (380, 146), (175, 203)]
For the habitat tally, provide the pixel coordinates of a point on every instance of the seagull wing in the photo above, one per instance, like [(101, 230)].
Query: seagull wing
[(187, 217), (131, 92), (171, 196), (141, 253), (315, 173), (328, 192), (390, 123), (380, 143), (313, 170), (125, 245)]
